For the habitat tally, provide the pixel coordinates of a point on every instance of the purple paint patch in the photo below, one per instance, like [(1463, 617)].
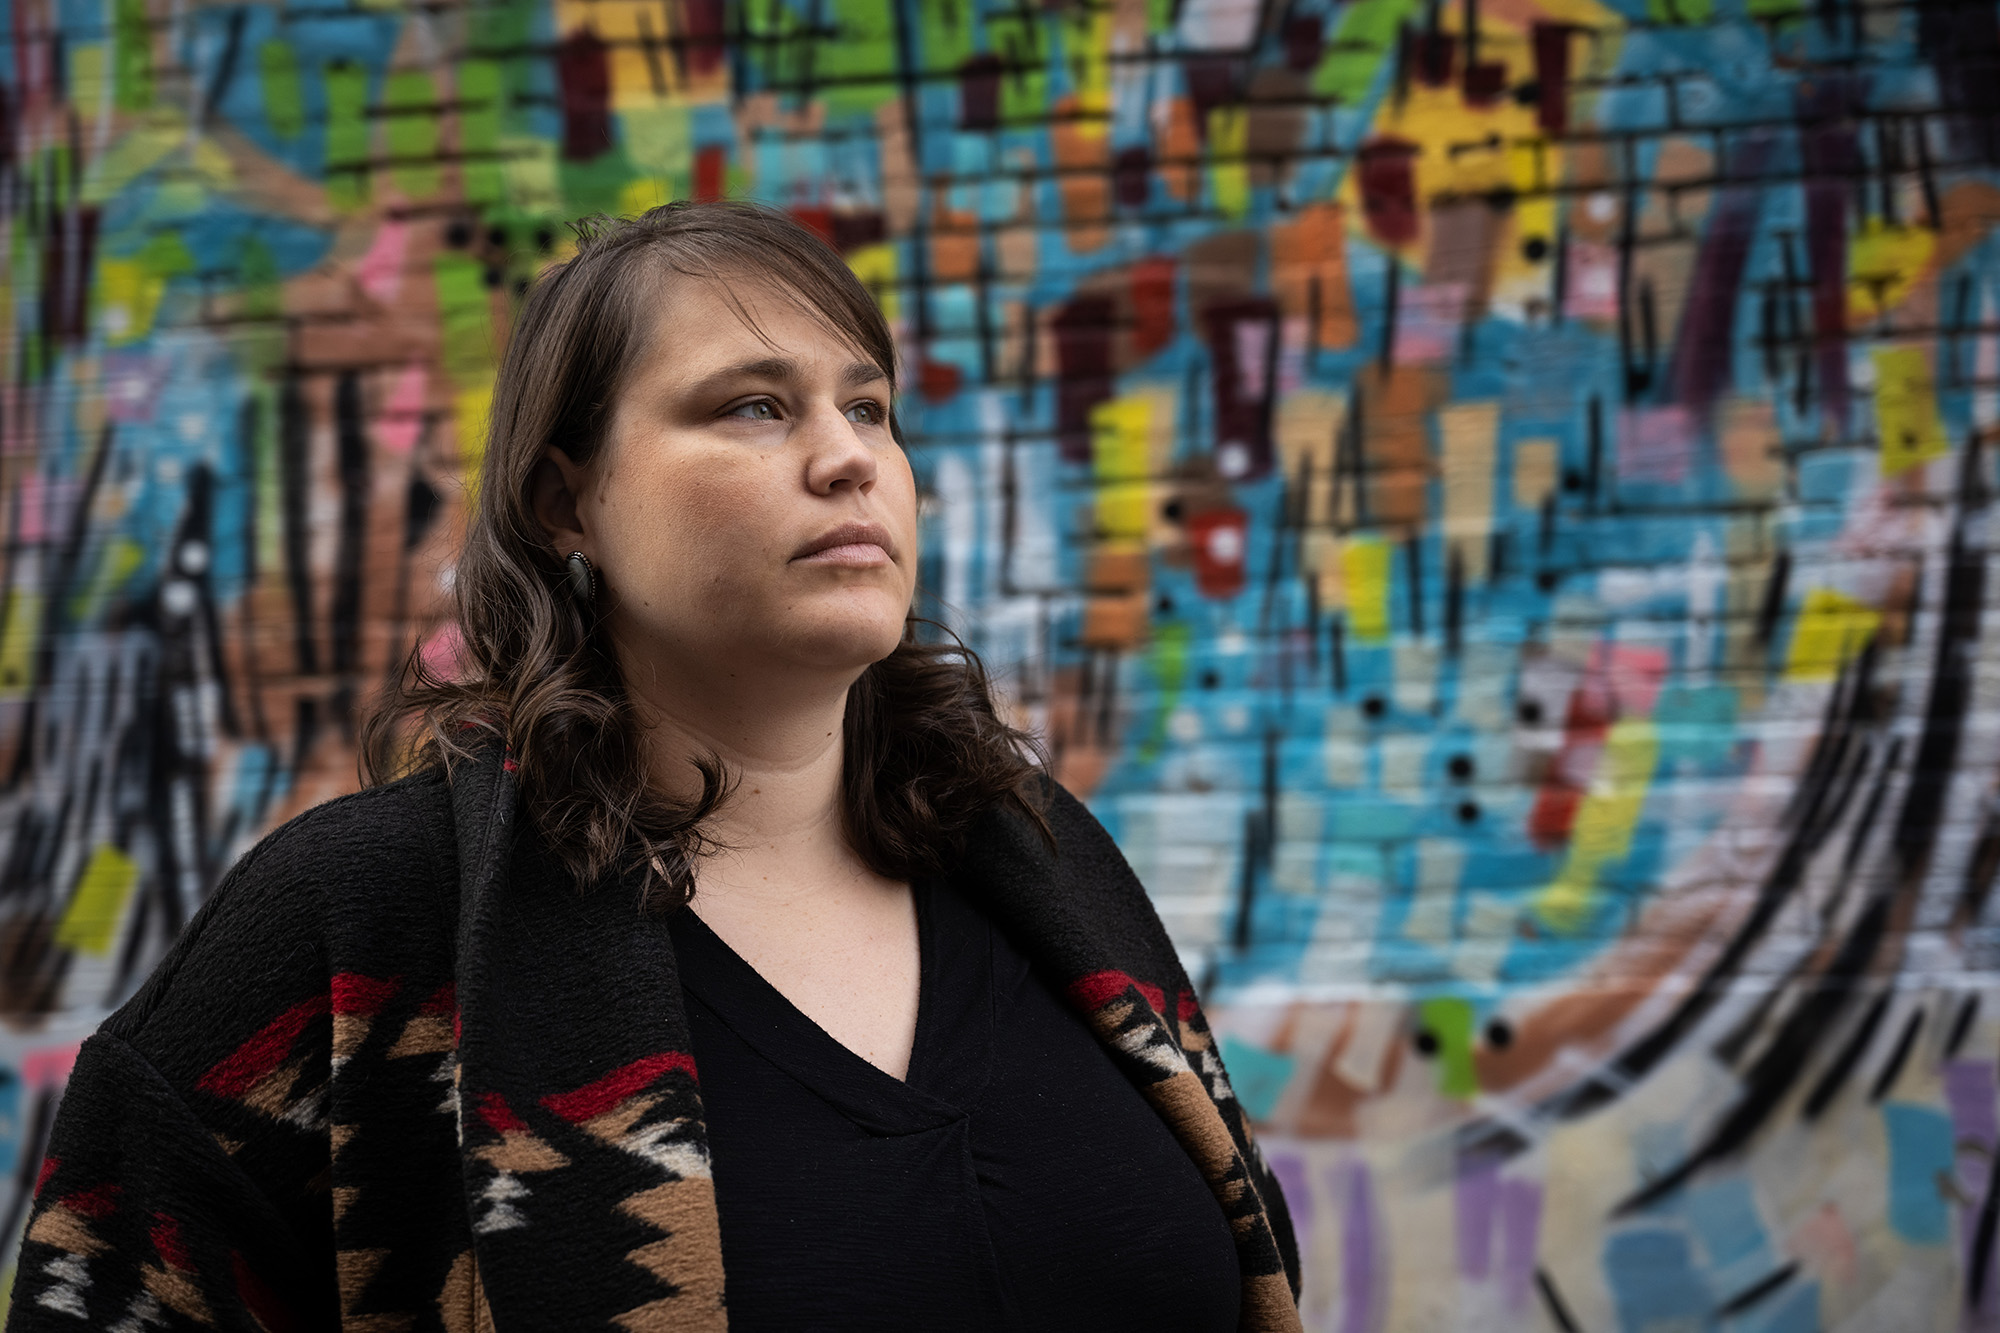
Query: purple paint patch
[(1969, 1091), (1290, 1170), (1478, 1193), (1520, 1235), (1359, 1261), (1656, 444)]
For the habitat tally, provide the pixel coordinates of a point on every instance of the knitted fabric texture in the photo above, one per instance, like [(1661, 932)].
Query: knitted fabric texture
[(400, 1074)]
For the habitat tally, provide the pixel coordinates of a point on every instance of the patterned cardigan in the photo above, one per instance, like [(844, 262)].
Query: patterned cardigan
[(392, 1078)]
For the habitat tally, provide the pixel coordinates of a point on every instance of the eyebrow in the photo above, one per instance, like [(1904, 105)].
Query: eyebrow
[(785, 370)]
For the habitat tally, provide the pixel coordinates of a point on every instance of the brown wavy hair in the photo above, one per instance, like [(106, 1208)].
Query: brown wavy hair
[(925, 749)]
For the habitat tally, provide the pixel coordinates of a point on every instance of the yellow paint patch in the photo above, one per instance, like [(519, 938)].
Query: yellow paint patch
[(1883, 263), (1906, 411), (17, 644), (1831, 628), (1364, 569), (1534, 472), (875, 265), (128, 297), (90, 923), (469, 410), (1229, 172), (1602, 834)]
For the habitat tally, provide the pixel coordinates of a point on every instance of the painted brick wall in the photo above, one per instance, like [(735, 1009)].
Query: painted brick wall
[(1487, 499)]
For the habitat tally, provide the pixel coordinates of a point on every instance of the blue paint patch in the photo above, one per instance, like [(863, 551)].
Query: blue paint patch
[(1259, 1076), (1797, 1312), (1653, 1281), (1920, 1148)]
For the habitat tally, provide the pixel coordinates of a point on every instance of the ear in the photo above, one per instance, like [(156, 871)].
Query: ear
[(554, 491)]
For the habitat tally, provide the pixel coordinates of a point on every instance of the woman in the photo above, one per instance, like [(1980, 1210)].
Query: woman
[(698, 800)]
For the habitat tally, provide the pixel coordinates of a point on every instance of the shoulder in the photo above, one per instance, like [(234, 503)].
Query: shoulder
[(264, 931)]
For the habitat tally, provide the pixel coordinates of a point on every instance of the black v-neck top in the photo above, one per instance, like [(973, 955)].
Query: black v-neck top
[(1015, 1180)]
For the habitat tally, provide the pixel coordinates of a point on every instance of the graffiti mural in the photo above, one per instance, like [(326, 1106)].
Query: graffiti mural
[(1487, 499)]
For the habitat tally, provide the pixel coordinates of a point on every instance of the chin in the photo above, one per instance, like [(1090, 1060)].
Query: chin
[(845, 642)]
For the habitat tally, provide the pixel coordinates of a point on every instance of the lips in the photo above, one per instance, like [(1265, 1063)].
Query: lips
[(849, 544)]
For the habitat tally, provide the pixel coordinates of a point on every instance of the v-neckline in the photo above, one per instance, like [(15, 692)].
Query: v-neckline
[(777, 1029)]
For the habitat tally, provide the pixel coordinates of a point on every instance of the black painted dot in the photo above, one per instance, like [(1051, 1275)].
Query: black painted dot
[(496, 236), (1529, 93), (495, 276), (1547, 580), (1165, 606), (1468, 812), (1374, 705), (1499, 1034), (1460, 766), (1572, 480), (1209, 680), (1536, 249), (1529, 711), (1172, 511), (458, 235), (520, 286), (544, 239), (1425, 1041), (1502, 199)]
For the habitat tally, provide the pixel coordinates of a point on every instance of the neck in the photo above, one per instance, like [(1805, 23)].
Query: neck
[(781, 745)]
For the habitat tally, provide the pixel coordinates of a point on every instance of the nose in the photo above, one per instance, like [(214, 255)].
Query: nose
[(836, 455)]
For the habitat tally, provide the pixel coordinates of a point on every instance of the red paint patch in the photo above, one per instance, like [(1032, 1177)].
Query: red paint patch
[(1152, 305), (262, 1053), (708, 164), (1388, 182), (594, 1099), (940, 380), (356, 994)]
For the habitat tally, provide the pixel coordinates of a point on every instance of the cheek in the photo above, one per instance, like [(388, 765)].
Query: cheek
[(685, 523)]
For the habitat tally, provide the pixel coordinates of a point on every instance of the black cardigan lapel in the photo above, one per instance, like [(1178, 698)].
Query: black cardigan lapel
[(585, 1155), (1079, 912)]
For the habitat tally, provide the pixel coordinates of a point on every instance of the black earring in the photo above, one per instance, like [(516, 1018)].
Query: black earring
[(582, 578)]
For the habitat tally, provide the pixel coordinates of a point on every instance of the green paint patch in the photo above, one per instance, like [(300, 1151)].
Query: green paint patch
[(132, 56), (1167, 658), (410, 124), (465, 316), (347, 140), (480, 93), (284, 92), (1361, 46), (1449, 1021), (859, 62)]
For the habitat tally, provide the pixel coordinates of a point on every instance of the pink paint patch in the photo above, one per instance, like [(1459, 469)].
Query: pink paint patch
[(443, 653), (30, 502), (1656, 444), (1824, 1244), (1591, 290), (1634, 675), (49, 1067), (380, 271), (1428, 320), (402, 419)]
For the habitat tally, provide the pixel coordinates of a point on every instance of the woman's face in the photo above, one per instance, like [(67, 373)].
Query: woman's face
[(749, 510)]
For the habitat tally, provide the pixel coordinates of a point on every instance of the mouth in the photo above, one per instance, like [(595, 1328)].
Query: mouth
[(855, 544)]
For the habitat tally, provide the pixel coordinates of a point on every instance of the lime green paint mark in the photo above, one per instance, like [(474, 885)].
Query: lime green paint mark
[(132, 59), (1017, 38), (90, 922), (411, 127), (1361, 45), (346, 134), (947, 27), (1680, 11), (480, 96), (1449, 1020), (17, 643), (859, 63), (284, 94), (1168, 660), (465, 316)]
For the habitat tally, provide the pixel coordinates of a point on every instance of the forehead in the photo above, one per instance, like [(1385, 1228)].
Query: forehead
[(699, 323)]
